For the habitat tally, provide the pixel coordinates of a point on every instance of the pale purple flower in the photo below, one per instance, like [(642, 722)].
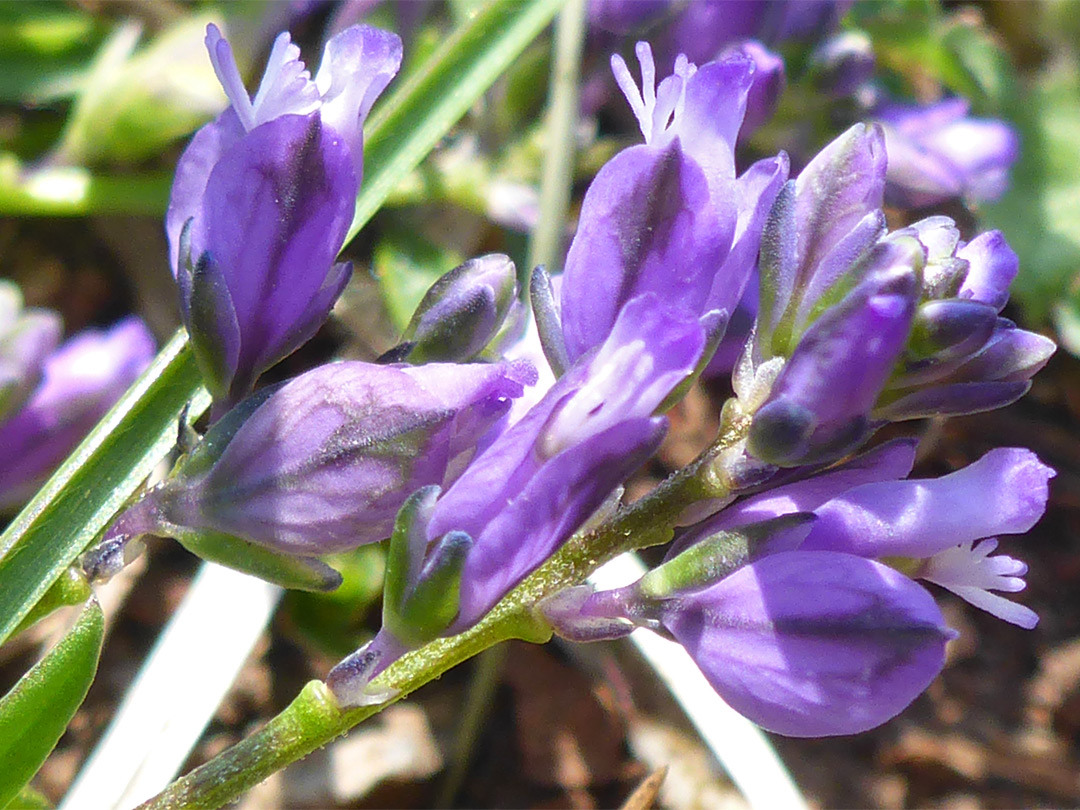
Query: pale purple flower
[(263, 198), (938, 151), (323, 463), (80, 381), (27, 338)]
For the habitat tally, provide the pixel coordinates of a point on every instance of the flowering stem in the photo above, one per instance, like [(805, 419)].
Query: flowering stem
[(315, 718)]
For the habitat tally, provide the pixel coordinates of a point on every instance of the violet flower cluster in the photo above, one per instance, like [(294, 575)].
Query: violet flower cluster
[(53, 393), (793, 579)]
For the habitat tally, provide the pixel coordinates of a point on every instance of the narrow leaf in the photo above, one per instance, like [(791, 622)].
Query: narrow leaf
[(95, 481), (424, 108), (35, 713)]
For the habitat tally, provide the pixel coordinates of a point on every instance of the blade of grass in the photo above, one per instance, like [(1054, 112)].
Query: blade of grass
[(95, 481), (423, 109)]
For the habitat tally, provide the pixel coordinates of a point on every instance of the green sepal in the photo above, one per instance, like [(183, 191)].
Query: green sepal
[(408, 542), (287, 570), (713, 558), (433, 602), (37, 710)]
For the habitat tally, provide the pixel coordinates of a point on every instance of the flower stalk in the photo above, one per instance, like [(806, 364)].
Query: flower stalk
[(315, 718)]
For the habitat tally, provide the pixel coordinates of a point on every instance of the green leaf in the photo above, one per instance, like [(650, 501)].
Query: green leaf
[(35, 713), (82, 497), (424, 108), (95, 481)]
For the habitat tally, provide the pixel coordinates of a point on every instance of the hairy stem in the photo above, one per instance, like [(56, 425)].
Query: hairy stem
[(315, 718)]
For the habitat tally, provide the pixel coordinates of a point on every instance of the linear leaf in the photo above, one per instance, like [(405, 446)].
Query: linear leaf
[(37, 710), (423, 109)]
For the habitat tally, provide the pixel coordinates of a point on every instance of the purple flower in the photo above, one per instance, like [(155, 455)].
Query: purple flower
[(537, 483), (864, 508), (540, 480), (27, 338), (857, 327), (938, 151), (806, 644), (79, 383), (324, 462), (262, 200), (669, 216)]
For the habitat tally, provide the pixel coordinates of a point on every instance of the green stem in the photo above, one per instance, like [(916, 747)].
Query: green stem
[(557, 181), (314, 718)]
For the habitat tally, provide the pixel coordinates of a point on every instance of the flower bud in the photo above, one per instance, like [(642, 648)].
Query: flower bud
[(262, 200), (324, 462), (462, 312)]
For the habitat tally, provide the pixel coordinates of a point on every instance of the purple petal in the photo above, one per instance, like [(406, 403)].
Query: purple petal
[(543, 515), (356, 67), (1004, 492), (647, 225), (767, 85), (889, 462), (713, 109), (813, 644), (993, 266), (757, 190)]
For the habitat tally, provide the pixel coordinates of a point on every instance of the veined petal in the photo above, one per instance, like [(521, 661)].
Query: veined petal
[(1004, 492), (813, 644)]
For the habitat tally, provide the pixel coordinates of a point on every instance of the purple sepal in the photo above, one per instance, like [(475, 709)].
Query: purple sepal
[(938, 151), (1004, 492), (813, 644), (952, 399), (819, 406), (275, 212), (80, 382), (572, 615), (648, 224), (843, 63), (326, 460), (838, 189)]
